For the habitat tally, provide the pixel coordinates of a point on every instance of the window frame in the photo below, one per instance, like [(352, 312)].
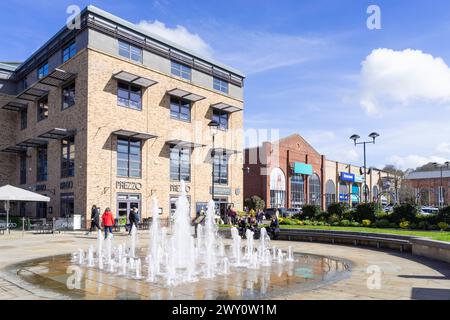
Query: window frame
[(176, 169), (219, 85), (67, 162), (179, 70), (72, 50), (23, 169), (220, 163), (129, 142), (129, 93), (41, 164), (23, 119), (66, 86), (40, 115), (181, 104), (65, 198), (43, 70), (129, 50), (219, 117)]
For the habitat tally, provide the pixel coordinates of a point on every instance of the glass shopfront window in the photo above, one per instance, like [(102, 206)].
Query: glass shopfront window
[(297, 191), (126, 202), (314, 190), (67, 204), (330, 194), (277, 188)]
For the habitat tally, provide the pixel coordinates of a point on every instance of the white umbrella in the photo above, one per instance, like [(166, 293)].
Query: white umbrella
[(9, 193)]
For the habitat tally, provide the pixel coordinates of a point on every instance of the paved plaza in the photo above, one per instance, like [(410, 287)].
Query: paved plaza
[(402, 276)]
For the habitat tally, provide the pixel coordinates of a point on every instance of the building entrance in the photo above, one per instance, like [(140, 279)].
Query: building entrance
[(125, 202)]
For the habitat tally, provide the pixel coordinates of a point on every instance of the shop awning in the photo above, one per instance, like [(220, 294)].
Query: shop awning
[(134, 79), (56, 78), (183, 94), (221, 151), (15, 106), (57, 133), (226, 107), (31, 94), (184, 144), (134, 134), (32, 143), (18, 150)]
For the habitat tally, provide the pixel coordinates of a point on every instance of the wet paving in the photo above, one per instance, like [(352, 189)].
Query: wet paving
[(57, 277)]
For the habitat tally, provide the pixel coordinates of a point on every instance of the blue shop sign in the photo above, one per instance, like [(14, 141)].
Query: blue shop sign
[(343, 197), (303, 168), (349, 177)]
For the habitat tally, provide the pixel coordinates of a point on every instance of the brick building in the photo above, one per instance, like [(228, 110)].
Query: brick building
[(289, 173), (429, 188), (110, 114)]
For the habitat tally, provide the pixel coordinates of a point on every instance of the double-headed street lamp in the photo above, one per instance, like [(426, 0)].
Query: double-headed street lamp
[(355, 137), (214, 128), (441, 189)]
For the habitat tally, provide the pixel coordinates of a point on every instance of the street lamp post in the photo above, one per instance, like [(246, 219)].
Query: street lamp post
[(355, 137), (213, 126), (441, 188)]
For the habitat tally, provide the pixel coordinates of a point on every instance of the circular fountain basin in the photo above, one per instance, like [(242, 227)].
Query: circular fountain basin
[(59, 278)]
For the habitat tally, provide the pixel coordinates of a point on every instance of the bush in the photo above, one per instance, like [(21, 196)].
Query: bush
[(311, 211), (444, 215), (355, 224), (307, 222), (338, 209), (255, 203), (383, 223), (333, 218), (367, 211), (423, 225), (433, 227), (404, 224), (443, 226), (344, 223), (366, 223), (404, 212), (393, 225)]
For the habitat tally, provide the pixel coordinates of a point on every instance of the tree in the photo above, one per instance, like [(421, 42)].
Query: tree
[(255, 203), (389, 168), (427, 167)]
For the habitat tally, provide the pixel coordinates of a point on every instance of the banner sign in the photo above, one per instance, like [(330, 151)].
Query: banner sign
[(303, 168), (349, 177)]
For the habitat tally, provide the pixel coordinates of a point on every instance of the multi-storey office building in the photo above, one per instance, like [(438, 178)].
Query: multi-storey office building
[(289, 173), (110, 114)]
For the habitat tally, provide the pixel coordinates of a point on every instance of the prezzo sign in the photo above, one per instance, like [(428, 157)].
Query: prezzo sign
[(123, 185), (349, 177), (177, 188)]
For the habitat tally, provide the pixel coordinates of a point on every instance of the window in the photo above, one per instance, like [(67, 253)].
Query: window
[(130, 52), (180, 109), (23, 169), (330, 195), (129, 96), (23, 119), (43, 70), (41, 209), (220, 85), (277, 188), (129, 158), (181, 70), (69, 51), (68, 157), (221, 168), (375, 193), (180, 164), (68, 96), (66, 203), (41, 164), (297, 191), (42, 109), (221, 117), (24, 83), (314, 190), (343, 192)]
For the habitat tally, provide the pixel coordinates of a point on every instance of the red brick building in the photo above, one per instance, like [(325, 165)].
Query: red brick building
[(428, 188)]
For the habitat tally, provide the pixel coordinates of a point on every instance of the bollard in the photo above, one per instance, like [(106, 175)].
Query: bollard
[(23, 226)]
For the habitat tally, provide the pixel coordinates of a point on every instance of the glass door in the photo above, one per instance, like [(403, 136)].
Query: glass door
[(126, 202)]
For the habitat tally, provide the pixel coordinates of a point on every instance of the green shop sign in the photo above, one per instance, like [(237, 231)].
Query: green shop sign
[(303, 168)]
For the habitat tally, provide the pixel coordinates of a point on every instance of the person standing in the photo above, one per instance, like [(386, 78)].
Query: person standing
[(95, 219), (108, 221), (134, 219)]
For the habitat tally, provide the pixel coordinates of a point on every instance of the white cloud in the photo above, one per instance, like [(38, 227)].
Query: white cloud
[(443, 147), (390, 78), (413, 161), (178, 35)]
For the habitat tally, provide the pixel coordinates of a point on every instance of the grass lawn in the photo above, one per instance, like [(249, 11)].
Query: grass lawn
[(435, 235)]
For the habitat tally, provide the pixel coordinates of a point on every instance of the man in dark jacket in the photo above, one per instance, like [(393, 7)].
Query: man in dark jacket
[(134, 219), (274, 228), (95, 219)]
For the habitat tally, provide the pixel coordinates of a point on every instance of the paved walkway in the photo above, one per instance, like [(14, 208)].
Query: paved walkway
[(402, 276)]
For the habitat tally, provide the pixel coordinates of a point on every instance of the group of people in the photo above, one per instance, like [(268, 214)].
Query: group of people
[(252, 223), (108, 221)]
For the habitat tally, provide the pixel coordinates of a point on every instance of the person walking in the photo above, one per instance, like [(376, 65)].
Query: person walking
[(134, 219), (108, 221), (95, 219)]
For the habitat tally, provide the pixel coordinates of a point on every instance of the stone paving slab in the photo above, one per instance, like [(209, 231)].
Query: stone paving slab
[(403, 276)]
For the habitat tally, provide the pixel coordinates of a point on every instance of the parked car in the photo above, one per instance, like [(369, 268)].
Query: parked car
[(270, 212), (429, 210)]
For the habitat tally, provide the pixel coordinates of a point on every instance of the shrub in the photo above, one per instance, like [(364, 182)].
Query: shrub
[(335, 224), (344, 223), (311, 211), (444, 215), (307, 222), (366, 223), (383, 223), (254, 203), (423, 225), (393, 225), (355, 224), (333, 218), (443, 226), (404, 212), (433, 227), (338, 209), (404, 224), (367, 211)]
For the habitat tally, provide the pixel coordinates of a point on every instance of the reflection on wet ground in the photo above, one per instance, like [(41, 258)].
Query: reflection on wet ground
[(59, 278)]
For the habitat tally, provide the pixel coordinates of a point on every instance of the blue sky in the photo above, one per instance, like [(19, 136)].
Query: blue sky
[(304, 64)]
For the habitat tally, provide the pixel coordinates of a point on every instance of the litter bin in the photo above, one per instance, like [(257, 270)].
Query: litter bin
[(77, 222)]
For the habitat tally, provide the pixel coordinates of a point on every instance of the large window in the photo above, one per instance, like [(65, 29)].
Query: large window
[(129, 160), (330, 193), (42, 70), (297, 191), (23, 169), (129, 96), (41, 209), (221, 168), (69, 51), (68, 96), (375, 193), (221, 117), (277, 188), (42, 109), (41, 164), (130, 52), (343, 192), (181, 70), (314, 190), (68, 157), (23, 119), (67, 207), (180, 164), (220, 85), (180, 109)]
